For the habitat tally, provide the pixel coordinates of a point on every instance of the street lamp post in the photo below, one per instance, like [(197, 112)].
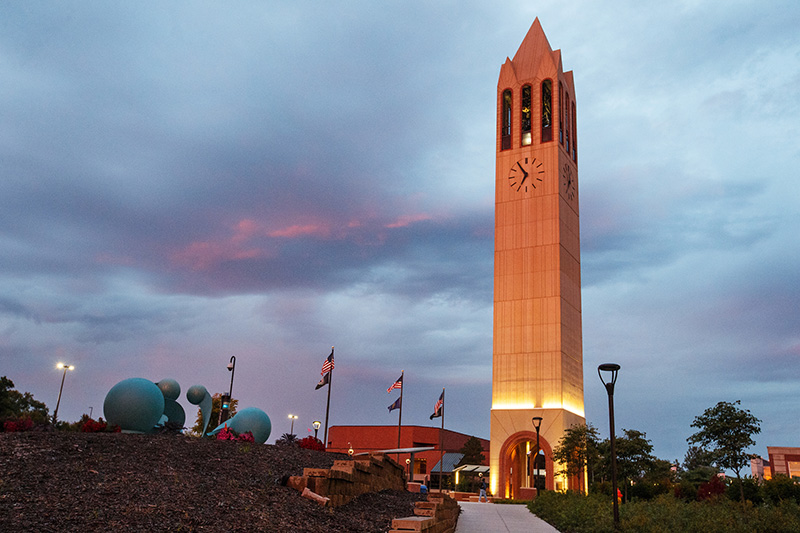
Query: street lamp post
[(316, 424), (63, 377), (293, 417), (232, 370), (226, 398), (613, 368), (537, 423)]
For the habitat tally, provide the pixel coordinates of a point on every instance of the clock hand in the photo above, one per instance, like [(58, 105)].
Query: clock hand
[(524, 174)]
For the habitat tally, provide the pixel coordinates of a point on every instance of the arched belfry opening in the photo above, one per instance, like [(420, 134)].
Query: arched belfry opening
[(537, 345)]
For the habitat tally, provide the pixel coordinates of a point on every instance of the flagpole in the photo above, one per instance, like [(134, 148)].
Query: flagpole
[(441, 449), (400, 416), (328, 407)]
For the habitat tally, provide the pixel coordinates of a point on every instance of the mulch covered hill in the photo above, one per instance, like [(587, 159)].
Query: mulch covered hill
[(57, 481)]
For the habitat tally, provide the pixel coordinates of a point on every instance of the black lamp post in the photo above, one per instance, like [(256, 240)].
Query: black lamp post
[(613, 368), (293, 417), (232, 370), (316, 424), (537, 423), (225, 407), (63, 377)]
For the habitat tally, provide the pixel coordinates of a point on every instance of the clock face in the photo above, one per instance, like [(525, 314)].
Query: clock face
[(526, 175), (568, 182)]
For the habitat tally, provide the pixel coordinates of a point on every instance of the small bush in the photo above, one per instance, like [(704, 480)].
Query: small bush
[(311, 443), (752, 491), (93, 426), (711, 489), (20, 424), (780, 489), (227, 433)]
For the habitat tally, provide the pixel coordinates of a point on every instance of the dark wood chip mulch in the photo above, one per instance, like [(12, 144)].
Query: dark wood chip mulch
[(59, 481)]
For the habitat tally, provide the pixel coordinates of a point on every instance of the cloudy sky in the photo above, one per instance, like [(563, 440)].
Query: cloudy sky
[(186, 182)]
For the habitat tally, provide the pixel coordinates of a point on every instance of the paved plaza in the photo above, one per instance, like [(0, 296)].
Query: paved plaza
[(493, 517)]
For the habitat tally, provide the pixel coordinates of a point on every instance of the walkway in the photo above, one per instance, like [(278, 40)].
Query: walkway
[(491, 517)]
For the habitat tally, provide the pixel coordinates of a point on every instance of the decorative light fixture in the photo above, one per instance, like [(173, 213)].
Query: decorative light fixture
[(613, 369), (60, 390), (537, 423)]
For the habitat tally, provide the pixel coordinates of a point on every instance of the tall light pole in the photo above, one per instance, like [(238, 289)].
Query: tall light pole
[(226, 399), (293, 417), (537, 423), (613, 368), (316, 424), (232, 369), (65, 367)]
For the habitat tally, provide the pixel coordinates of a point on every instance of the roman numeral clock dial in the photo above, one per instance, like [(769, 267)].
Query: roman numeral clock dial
[(526, 175)]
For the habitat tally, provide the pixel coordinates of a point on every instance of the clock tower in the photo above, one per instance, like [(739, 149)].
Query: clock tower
[(537, 365)]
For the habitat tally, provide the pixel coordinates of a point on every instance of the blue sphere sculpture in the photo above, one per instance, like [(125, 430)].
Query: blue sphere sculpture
[(196, 393), (250, 419), (170, 388), (134, 404)]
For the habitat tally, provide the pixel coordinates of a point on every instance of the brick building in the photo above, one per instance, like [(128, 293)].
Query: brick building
[(375, 438)]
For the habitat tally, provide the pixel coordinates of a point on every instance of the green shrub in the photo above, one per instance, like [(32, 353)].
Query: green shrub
[(752, 491), (574, 513), (780, 489), (645, 490)]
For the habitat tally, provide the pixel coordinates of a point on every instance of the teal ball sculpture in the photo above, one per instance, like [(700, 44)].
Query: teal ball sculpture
[(170, 388), (196, 393), (134, 404), (254, 420), (174, 412)]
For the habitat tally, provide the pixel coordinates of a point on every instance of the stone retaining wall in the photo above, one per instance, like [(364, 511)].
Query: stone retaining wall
[(349, 478), (437, 515)]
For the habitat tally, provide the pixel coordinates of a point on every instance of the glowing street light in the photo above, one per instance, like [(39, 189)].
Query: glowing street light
[(316, 424), (293, 417), (613, 369), (65, 367)]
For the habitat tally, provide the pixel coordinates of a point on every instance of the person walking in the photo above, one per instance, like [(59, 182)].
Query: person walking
[(482, 497)]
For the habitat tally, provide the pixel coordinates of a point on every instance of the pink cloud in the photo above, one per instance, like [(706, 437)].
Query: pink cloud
[(201, 255), (406, 220), (301, 230)]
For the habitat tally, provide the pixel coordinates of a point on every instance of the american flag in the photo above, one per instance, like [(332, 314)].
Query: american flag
[(327, 366), (437, 410), (397, 384)]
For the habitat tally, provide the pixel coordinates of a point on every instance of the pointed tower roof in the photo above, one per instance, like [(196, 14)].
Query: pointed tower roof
[(532, 51)]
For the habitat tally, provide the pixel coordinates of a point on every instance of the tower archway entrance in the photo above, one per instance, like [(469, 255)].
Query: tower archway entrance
[(522, 468)]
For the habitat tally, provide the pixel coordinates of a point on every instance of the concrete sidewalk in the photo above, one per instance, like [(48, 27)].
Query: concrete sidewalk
[(491, 517)]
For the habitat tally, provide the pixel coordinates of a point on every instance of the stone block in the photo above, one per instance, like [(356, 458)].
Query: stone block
[(413, 523)]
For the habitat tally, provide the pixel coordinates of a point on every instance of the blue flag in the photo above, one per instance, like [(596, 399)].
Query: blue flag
[(395, 405)]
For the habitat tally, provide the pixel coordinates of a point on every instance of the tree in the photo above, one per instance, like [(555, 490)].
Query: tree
[(287, 439), (697, 457), (15, 404), (473, 452), (726, 431), (634, 458), (578, 451), (216, 405)]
